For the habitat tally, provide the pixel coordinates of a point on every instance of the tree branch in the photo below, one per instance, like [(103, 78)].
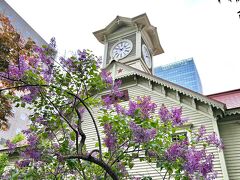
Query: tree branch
[(80, 131), (94, 122), (72, 94), (96, 161)]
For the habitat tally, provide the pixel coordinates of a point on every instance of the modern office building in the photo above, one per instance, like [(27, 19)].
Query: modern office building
[(183, 73)]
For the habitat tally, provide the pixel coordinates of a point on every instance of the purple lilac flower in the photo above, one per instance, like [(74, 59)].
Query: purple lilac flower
[(215, 140), (164, 114), (37, 49), (11, 147), (193, 158), (106, 76), (151, 153), (23, 163), (31, 152), (212, 175), (52, 43), (122, 169), (17, 71), (23, 66), (177, 118), (82, 54), (46, 74), (146, 106), (206, 165), (32, 140), (33, 91), (142, 135), (67, 63), (201, 133), (115, 89), (119, 109), (41, 120), (14, 72), (110, 138), (197, 161), (99, 62), (27, 131), (34, 62), (132, 108), (176, 150), (27, 98), (107, 101)]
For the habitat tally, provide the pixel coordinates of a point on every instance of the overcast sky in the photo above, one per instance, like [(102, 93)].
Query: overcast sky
[(203, 29)]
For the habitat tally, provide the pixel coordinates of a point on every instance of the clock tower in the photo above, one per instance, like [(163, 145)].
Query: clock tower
[(131, 41)]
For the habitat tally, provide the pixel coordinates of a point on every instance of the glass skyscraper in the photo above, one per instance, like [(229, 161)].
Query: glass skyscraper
[(183, 73)]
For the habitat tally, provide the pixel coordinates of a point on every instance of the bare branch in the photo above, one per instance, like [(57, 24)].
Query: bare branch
[(96, 161)]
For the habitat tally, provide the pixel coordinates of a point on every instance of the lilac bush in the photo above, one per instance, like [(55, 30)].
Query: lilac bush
[(60, 92)]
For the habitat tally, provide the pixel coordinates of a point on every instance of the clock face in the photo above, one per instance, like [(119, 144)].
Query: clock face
[(121, 49), (146, 56)]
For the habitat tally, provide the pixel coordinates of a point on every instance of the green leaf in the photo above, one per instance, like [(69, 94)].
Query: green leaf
[(19, 137), (130, 165), (72, 135)]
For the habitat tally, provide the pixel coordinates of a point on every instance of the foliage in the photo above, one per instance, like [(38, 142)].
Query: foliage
[(59, 92), (3, 162), (12, 46)]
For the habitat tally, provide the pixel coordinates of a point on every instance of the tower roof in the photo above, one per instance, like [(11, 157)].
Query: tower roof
[(141, 22)]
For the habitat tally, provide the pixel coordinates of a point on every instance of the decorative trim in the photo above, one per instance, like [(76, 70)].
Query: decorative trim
[(164, 92), (150, 85), (172, 86), (178, 96)]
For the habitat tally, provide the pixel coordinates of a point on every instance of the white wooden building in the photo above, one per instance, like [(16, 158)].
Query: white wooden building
[(130, 44)]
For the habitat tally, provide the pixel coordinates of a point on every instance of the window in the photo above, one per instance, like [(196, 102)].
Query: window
[(179, 137), (182, 133)]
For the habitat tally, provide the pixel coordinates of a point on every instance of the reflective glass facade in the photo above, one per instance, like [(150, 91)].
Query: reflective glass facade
[(183, 73)]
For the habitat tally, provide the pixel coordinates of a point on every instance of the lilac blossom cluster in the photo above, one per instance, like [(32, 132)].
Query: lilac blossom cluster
[(75, 64), (174, 115), (110, 139), (144, 105), (142, 135), (17, 71), (211, 139), (11, 146), (200, 163), (30, 153), (106, 76), (195, 162), (115, 93), (80, 62), (39, 57), (30, 94), (176, 150)]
